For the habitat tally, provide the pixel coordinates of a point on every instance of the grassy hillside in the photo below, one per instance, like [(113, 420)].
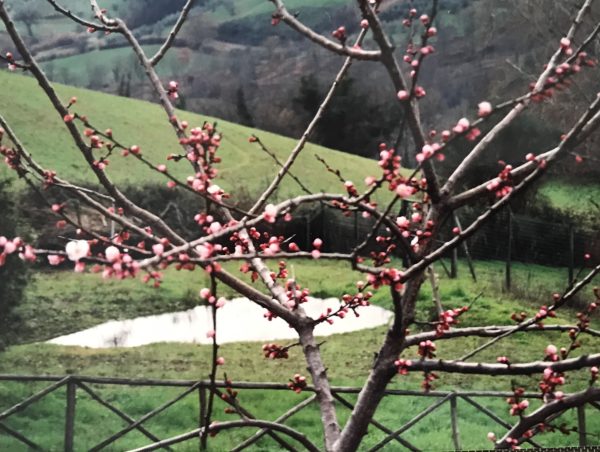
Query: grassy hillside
[(580, 202), (244, 165)]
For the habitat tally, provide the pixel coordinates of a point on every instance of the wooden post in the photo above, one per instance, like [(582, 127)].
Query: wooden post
[(581, 425), (508, 283), (202, 414), (466, 248), (70, 416), (435, 290), (571, 254), (454, 264), (454, 422)]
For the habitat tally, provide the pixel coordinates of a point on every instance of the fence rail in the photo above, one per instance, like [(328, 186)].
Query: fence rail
[(74, 383)]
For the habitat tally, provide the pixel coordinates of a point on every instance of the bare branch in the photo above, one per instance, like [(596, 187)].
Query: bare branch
[(504, 369), (547, 411), (467, 162), (160, 53), (68, 13), (354, 52), (259, 204)]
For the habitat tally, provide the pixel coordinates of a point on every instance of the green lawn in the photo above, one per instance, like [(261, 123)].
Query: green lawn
[(62, 302), (136, 122)]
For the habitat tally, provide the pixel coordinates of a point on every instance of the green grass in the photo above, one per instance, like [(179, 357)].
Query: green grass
[(62, 302), (88, 69), (575, 201), (136, 122)]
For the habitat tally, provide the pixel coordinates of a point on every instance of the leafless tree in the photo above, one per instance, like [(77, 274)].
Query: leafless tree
[(417, 235)]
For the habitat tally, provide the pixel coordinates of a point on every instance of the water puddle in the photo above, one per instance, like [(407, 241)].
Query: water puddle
[(239, 320)]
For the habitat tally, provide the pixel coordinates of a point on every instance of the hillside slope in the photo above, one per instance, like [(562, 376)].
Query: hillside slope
[(244, 165)]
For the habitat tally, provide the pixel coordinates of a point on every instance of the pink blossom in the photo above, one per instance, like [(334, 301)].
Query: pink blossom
[(54, 259), (112, 253), (158, 249), (485, 108), (220, 361), (270, 213), (210, 334), (551, 350), (317, 243), (402, 222), (404, 191), (77, 249), (10, 247), (316, 254), (205, 293), (464, 123), (28, 254)]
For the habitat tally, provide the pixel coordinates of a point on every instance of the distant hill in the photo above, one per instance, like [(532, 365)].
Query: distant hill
[(244, 165)]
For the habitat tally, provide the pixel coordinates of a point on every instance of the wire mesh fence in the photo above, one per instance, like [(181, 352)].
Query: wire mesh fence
[(507, 237)]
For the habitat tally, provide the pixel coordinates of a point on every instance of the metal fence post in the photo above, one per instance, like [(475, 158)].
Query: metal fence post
[(70, 416)]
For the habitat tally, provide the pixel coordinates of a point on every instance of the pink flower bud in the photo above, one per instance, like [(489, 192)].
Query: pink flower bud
[(403, 94)]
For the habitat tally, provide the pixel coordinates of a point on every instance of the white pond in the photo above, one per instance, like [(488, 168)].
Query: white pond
[(239, 320)]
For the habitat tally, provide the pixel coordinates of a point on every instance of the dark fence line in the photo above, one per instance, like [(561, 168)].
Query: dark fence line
[(508, 237), (74, 383)]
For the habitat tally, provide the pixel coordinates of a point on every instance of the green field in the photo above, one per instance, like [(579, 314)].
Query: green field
[(579, 202), (57, 303), (245, 167)]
